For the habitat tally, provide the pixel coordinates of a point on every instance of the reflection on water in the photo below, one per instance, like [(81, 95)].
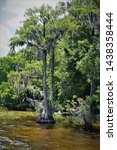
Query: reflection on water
[(18, 130)]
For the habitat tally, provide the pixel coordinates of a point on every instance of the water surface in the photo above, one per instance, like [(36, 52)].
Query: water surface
[(18, 130)]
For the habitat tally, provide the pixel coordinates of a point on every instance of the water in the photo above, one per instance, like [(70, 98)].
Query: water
[(18, 130)]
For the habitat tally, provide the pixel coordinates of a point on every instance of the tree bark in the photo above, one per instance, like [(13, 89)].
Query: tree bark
[(44, 81), (52, 75)]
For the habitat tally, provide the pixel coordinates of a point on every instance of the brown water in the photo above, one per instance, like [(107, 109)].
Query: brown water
[(18, 130)]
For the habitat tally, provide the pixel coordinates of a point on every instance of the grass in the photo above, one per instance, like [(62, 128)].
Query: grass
[(67, 120)]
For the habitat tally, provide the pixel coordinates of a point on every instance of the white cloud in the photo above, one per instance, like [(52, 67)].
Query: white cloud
[(5, 34), (19, 7), (14, 22)]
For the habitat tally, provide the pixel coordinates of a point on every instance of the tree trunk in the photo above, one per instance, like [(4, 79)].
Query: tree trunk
[(52, 75), (45, 117), (87, 119), (92, 90)]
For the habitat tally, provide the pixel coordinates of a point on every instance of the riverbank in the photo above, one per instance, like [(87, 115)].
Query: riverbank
[(32, 115)]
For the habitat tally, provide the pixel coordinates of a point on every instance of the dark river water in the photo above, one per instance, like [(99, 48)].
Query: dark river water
[(19, 131)]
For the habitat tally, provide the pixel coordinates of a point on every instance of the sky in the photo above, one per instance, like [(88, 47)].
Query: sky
[(11, 15)]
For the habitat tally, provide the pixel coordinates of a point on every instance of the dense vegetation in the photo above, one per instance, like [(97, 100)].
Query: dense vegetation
[(57, 64)]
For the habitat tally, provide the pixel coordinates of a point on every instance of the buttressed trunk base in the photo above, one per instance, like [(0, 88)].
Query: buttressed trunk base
[(45, 118)]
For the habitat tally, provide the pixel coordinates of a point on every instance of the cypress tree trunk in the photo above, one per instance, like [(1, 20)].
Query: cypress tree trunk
[(52, 74), (45, 117)]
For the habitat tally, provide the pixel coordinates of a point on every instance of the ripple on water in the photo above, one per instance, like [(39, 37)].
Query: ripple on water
[(6, 143), (2, 147), (1, 131)]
